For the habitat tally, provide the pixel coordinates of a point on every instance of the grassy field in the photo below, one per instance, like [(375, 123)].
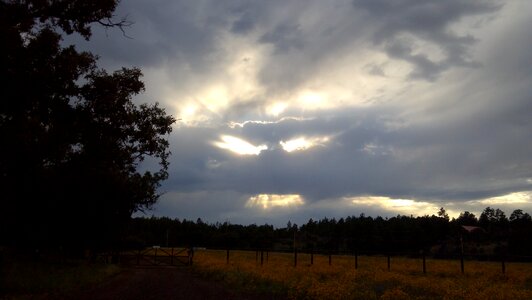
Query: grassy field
[(372, 280), (26, 279)]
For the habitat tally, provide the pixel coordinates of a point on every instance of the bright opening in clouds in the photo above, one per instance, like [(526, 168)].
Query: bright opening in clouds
[(513, 198), (268, 201), (239, 146), (302, 143), (215, 99), (401, 206), (312, 100), (276, 108)]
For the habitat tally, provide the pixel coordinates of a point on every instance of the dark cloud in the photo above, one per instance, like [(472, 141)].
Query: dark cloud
[(422, 16), (427, 21), (425, 68), (162, 32), (285, 36), (243, 24), (375, 70)]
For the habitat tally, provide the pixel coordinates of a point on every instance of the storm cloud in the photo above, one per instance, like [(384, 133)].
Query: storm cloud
[(292, 110)]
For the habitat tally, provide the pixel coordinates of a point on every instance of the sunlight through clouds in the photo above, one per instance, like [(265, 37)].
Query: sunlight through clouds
[(276, 108), (267, 201), (513, 198), (399, 206), (303, 143), (233, 125), (311, 99), (215, 99), (239, 146)]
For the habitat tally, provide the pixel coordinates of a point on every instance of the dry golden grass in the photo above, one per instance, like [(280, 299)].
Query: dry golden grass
[(372, 280)]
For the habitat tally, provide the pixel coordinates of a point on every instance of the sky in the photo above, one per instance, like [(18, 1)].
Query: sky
[(290, 110)]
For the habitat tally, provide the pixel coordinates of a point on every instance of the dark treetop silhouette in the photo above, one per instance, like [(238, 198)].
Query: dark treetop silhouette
[(72, 139)]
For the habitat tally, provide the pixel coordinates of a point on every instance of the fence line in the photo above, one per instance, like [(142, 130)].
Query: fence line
[(157, 256), (502, 259)]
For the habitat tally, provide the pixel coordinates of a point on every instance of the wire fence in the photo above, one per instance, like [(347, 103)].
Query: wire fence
[(307, 258)]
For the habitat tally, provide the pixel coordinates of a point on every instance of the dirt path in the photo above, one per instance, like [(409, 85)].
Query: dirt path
[(161, 283)]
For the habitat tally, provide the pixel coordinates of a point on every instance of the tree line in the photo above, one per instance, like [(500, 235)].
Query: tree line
[(491, 234)]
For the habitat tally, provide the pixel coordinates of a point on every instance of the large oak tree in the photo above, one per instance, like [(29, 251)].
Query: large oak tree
[(72, 140)]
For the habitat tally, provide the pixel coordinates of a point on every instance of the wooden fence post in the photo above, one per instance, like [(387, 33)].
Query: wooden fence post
[(267, 255), (155, 257), (261, 257), (462, 263), (172, 257), (227, 257), (462, 253), (295, 257), (424, 263), (190, 256)]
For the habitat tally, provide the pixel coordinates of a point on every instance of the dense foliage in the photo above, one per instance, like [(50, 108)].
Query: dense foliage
[(72, 139), (437, 235)]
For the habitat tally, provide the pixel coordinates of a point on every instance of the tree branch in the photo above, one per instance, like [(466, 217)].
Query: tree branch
[(109, 23)]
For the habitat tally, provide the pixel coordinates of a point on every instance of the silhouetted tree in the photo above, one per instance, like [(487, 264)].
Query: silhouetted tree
[(519, 241), (72, 139), (467, 218), (494, 221), (519, 216), (443, 214)]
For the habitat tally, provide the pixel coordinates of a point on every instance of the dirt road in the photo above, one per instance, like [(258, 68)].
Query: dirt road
[(161, 283)]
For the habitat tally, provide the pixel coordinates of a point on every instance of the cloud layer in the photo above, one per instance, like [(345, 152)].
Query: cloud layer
[(423, 102)]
